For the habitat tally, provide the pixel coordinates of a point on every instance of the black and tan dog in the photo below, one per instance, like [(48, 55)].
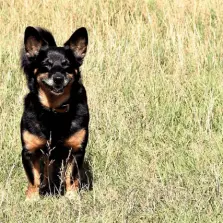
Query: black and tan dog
[(54, 125)]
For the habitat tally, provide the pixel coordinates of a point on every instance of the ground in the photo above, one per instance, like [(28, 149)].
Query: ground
[(153, 74)]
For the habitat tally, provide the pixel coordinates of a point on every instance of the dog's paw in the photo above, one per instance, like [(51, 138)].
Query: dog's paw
[(32, 197)]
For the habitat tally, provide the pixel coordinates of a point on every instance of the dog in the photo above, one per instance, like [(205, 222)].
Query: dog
[(54, 124)]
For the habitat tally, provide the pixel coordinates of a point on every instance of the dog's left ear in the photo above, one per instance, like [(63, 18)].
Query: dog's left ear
[(33, 41), (78, 44)]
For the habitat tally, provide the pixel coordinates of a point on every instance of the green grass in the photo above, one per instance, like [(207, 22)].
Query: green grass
[(153, 74)]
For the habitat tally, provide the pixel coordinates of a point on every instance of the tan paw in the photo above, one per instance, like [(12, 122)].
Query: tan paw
[(32, 197), (32, 194)]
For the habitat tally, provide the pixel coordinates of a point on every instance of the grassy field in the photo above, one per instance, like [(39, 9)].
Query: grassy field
[(153, 74)]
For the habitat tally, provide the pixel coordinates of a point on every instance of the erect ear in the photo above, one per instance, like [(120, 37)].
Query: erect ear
[(78, 44), (33, 41)]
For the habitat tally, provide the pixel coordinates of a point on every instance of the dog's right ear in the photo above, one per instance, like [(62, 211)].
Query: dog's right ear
[(78, 44), (33, 41)]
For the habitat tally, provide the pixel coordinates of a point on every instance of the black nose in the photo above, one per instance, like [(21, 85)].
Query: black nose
[(58, 79)]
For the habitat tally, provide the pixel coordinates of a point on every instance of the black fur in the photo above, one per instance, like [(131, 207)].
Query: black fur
[(41, 55)]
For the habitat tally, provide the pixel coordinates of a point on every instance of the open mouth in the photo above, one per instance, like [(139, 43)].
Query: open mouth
[(54, 88), (57, 90)]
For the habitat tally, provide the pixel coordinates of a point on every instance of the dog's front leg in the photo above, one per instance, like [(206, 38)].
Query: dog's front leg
[(72, 173), (76, 144), (31, 155), (31, 164)]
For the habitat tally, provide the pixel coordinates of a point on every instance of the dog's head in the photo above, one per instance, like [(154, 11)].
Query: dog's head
[(54, 68)]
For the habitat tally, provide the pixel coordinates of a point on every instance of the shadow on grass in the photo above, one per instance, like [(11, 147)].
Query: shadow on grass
[(86, 176)]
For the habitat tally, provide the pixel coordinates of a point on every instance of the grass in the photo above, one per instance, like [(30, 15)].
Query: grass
[(153, 75)]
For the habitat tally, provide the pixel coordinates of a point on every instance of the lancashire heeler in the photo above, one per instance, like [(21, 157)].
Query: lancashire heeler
[(54, 125)]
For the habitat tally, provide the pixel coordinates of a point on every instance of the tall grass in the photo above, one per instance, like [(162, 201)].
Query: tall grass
[(153, 74)]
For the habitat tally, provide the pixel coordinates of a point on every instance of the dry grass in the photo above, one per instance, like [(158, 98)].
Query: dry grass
[(153, 74)]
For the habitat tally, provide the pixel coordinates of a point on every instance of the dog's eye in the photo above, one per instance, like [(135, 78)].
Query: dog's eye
[(47, 63), (65, 63), (50, 62)]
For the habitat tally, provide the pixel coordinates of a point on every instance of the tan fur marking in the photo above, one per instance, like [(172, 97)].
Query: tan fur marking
[(76, 140), (43, 89), (72, 187), (33, 46), (41, 76), (70, 76), (80, 48), (34, 189), (68, 177), (33, 142), (36, 173), (50, 100)]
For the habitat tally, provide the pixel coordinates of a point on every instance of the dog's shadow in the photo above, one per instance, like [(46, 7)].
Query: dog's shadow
[(86, 176)]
